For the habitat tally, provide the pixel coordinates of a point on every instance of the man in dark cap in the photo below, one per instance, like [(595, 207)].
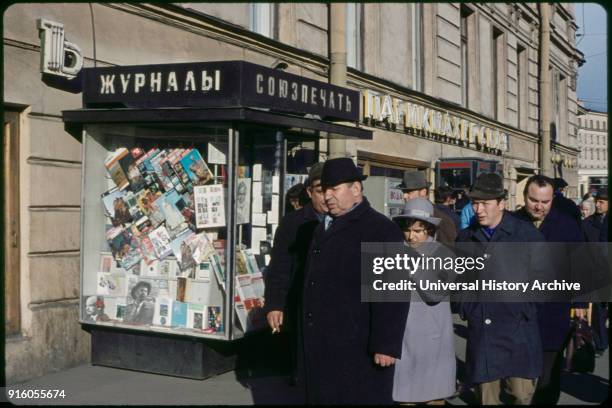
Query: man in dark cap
[(349, 346), (592, 224), (503, 343), (444, 197), (414, 185), (284, 278)]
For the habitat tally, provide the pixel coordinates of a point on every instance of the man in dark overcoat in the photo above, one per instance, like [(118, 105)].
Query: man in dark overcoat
[(592, 224), (553, 317), (285, 275), (503, 343), (562, 203), (349, 346)]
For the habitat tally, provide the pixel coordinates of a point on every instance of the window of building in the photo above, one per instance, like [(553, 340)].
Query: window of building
[(605, 125), (466, 14), (416, 45), (497, 72), (353, 35), (521, 85), (591, 121), (262, 18), (596, 124)]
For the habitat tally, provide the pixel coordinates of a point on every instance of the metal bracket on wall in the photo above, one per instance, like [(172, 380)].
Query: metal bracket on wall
[(58, 56)]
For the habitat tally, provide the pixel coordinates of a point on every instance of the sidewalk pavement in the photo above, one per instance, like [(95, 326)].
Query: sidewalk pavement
[(96, 385)]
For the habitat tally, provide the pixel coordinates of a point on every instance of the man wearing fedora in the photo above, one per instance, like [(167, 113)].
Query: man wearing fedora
[(142, 310), (592, 224), (285, 276), (414, 185), (562, 203), (349, 346), (503, 343)]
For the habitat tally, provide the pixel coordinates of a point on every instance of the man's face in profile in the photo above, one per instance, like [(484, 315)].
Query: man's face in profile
[(317, 197)]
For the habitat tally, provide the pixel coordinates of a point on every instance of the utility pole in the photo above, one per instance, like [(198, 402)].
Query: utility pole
[(337, 68), (545, 91)]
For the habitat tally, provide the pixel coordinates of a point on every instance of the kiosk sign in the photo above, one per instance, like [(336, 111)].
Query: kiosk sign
[(217, 84)]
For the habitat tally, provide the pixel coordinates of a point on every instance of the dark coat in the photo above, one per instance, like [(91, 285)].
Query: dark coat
[(447, 231), (503, 337), (340, 333), (591, 226), (567, 206), (451, 214), (285, 274), (554, 317), (603, 231)]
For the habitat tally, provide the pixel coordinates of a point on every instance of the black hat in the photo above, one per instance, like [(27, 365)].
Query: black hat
[(414, 180), (442, 193), (602, 194), (340, 170), (139, 284), (488, 186), (558, 183), (314, 173)]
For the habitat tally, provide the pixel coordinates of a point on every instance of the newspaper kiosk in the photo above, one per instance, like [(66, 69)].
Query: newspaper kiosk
[(185, 167)]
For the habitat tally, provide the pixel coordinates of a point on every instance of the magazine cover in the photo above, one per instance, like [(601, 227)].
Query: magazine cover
[(169, 268), (181, 289), (201, 248), (209, 206), (149, 268), (214, 322), (175, 222), (106, 262), (195, 316), (196, 168), (120, 241), (197, 292), (241, 313), (163, 312), (243, 201), (179, 314), (114, 168), (203, 270), (130, 169), (94, 309), (110, 284), (161, 242), (183, 251), (116, 208)]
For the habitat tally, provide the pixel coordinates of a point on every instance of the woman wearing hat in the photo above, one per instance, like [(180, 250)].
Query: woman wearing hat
[(426, 371)]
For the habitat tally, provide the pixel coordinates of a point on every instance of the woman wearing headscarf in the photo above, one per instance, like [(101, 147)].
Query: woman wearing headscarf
[(426, 371)]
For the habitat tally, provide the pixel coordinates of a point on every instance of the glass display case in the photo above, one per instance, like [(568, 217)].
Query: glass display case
[(178, 222), (185, 171)]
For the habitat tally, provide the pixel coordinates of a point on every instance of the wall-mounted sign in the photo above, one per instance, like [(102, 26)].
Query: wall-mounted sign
[(217, 84), (396, 114)]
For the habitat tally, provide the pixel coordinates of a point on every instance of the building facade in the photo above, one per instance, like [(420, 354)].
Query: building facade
[(593, 158), (436, 80)]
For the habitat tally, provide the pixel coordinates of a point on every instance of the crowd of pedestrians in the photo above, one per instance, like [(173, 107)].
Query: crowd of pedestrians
[(346, 351)]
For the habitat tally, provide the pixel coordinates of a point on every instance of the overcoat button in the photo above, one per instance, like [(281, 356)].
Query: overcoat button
[(487, 321)]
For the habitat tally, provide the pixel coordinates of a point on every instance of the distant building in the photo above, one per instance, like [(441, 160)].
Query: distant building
[(593, 158)]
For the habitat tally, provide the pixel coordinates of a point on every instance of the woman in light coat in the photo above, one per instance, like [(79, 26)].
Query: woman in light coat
[(426, 371)]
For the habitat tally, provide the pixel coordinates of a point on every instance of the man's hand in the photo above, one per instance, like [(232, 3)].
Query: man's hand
[(383, 360), (275, 320), (581, 313)]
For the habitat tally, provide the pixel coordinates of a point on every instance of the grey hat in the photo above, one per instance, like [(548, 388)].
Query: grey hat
[(414, 180), (315, 172), (418, 209)]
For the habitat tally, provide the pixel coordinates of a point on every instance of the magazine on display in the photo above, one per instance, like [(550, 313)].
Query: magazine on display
[(209, 206), (195, 316)]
